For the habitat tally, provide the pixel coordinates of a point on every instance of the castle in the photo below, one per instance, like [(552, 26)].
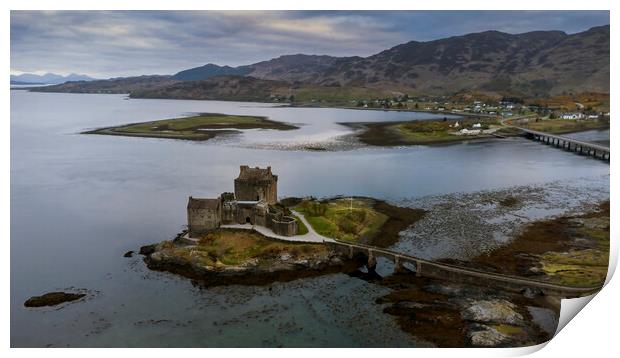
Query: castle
[(253, 202)]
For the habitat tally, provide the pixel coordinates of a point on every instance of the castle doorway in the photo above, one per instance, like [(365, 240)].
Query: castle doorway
[(248, 220)]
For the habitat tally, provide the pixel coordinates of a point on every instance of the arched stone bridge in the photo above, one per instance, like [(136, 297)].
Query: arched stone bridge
[(437, 270)]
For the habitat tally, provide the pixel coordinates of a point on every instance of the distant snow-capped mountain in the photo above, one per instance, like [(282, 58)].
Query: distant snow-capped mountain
[(48, 78)]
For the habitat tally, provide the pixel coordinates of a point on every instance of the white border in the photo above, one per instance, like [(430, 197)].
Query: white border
[(592, 331)]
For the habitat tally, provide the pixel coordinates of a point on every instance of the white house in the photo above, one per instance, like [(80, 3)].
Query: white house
[(466, 131), (572, 116)]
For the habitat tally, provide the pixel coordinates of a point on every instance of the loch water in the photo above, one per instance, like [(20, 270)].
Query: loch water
[(78, 202)]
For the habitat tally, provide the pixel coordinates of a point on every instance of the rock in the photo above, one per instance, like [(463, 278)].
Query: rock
[(531, 292), (495, 311), (148, 249), (486, 336), (128, 254), (52, 299)]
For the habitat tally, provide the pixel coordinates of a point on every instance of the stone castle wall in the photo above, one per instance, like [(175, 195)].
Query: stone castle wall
[(200, 221), (247, 190), (258, 186)]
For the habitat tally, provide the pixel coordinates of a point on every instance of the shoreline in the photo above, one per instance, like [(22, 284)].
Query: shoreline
[(355, 126), (398, 218), (192, 127), (282, 268)]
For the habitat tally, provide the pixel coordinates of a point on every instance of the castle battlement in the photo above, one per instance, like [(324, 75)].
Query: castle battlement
[(252, 202)]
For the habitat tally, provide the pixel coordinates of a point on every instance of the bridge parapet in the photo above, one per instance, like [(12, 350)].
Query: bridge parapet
[(570, 144), (461, 274)]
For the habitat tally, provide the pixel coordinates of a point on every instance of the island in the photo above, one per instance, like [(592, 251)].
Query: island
[(199, 127), (53, 299), (249, 237)]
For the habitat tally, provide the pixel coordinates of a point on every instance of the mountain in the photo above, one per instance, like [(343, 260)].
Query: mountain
[(48, 78), (532, 64), (208, 71), (239, 88)]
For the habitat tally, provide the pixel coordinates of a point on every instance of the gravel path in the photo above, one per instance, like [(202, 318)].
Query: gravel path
[(311, 236)]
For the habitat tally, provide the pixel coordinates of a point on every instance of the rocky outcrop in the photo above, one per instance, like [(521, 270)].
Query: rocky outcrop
[(52, 299), (493, 311), (487, 336), (260, 270)]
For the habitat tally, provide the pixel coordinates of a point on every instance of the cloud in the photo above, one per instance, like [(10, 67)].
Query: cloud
[(122, 43)]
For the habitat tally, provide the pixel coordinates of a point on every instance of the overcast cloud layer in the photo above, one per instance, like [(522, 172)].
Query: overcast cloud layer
[(124, 43)]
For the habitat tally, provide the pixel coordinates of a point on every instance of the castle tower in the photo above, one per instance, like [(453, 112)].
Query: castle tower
[(256, 184)]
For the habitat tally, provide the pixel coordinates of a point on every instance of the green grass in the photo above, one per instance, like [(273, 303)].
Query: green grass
[(576, 268), (232, 248), (343, 219), (302, 229), (582, 266)]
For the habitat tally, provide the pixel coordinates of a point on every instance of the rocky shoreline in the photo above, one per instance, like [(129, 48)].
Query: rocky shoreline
[(448, 314), (289, 264), (442, 313), (569, 249)]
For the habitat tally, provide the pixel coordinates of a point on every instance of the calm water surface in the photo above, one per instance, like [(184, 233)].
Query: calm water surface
[(78, 202)]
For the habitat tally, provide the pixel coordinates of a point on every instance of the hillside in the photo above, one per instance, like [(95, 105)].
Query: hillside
[(533, 64), (237, 88)]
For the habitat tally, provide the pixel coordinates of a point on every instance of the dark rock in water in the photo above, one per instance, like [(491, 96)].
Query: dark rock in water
[(52, 299), (128, 254), (148, 249)]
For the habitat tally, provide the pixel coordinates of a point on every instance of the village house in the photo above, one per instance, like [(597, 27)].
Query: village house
[(253, 202), (572, 116)]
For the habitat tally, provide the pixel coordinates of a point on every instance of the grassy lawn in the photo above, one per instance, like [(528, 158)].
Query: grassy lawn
[(302, 229), (230, 248), (559, 126), (341, 220), (200, 127)]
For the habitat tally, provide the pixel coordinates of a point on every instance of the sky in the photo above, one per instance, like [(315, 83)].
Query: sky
[(106, 44)]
